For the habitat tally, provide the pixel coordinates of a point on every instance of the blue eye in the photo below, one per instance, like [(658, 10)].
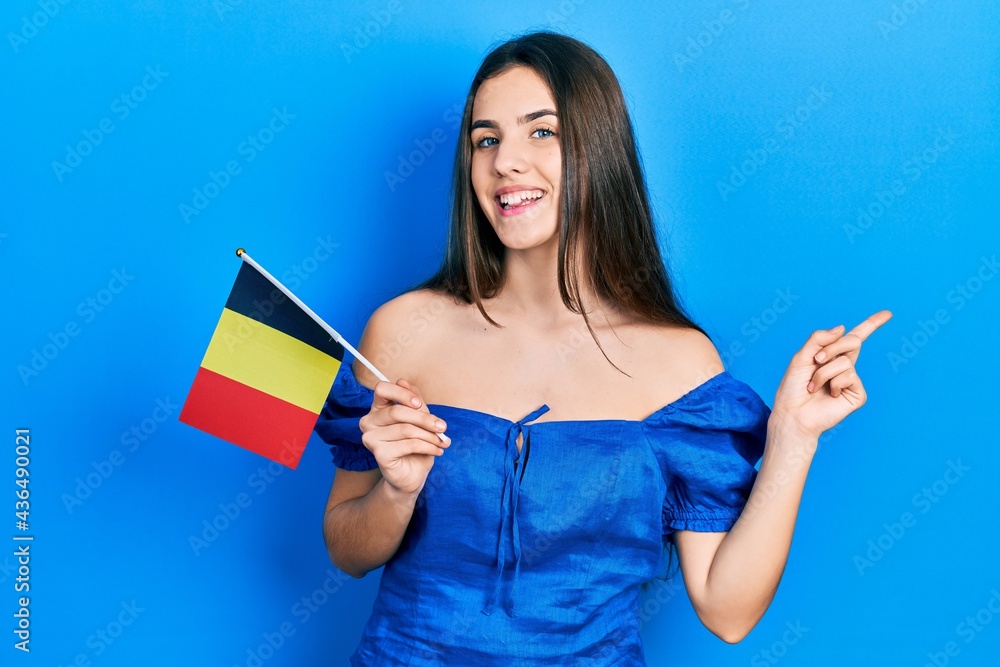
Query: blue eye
[(482, 143), (547, 131)]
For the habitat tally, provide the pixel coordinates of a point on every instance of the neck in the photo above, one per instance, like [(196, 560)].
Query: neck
[(530, 293)]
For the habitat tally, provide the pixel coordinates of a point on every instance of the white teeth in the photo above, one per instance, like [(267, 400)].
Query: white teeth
[(515, 198)]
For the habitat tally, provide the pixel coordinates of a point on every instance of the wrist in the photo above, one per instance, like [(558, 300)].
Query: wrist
[(402, 499), (786, 425), (786, 434)]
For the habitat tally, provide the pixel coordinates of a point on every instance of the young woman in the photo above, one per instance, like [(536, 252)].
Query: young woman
[(557, 419)]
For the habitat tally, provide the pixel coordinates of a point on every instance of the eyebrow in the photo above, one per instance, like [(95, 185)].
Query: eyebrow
[(526, 118)]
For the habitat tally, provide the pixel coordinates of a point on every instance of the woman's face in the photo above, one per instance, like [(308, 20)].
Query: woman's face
[(516, 159)]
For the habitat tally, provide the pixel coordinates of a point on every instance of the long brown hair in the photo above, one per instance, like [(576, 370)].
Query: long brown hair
[(603, 203)]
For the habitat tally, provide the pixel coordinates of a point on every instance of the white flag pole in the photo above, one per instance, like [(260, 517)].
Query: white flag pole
[(242, 254)]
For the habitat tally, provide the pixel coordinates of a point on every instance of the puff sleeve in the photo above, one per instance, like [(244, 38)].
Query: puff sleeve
[(707, 444), (348, 402)]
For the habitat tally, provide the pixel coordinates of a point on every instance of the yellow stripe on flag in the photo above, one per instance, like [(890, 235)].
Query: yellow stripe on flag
[(273, 362)]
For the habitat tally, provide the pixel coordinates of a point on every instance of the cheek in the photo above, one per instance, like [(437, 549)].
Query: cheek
[(553, 168), (480, 182)]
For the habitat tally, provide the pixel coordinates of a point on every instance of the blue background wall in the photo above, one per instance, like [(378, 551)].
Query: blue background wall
[(809, 164)]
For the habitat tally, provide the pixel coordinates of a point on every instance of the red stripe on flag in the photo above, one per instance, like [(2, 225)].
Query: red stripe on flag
[(248, 417)]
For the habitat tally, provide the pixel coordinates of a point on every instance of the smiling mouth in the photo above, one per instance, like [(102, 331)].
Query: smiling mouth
[(514, 200)]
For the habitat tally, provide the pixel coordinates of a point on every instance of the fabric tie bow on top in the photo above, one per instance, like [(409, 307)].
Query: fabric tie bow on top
[(508, 505)]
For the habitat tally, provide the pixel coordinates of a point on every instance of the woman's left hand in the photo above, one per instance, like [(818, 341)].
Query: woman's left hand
[(821, 385)]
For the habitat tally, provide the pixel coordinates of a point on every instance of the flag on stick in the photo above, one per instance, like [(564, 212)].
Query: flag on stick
[(267, 371)]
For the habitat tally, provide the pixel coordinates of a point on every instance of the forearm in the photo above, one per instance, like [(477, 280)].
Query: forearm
[(748, 565), (363, 533)]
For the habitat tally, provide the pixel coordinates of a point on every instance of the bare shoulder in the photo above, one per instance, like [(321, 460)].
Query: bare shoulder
[(677, 359), (400, 330)]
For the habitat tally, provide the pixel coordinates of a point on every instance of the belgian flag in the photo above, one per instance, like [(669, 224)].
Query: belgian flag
[(267, 372)]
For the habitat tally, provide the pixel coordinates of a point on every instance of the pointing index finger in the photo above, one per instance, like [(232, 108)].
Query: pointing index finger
[(872, 323)]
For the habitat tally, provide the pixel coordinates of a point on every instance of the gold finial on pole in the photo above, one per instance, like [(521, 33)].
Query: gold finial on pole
[(239, 252)]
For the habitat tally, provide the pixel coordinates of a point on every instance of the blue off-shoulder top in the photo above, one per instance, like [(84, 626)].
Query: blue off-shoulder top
[(538, 556)]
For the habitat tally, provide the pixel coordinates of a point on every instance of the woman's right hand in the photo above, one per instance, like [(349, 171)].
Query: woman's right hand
[(402, 434)]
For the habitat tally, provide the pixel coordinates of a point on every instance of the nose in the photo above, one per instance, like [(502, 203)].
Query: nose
[(510, 157)]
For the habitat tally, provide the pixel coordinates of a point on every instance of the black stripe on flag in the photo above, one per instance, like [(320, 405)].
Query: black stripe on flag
[(256, 297)]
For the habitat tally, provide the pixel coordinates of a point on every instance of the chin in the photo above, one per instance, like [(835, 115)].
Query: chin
[(527, 243)]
